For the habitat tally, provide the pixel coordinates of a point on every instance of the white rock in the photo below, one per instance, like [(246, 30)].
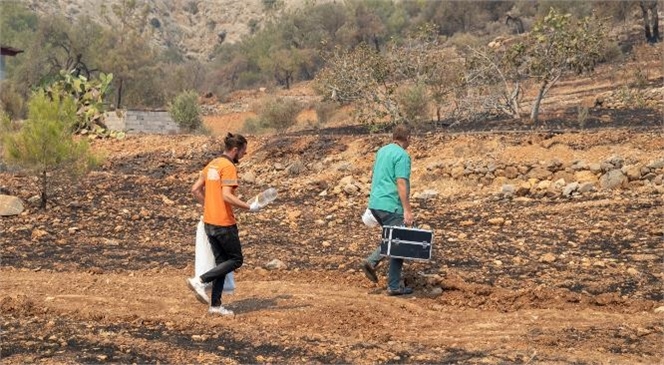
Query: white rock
[(276, 264)]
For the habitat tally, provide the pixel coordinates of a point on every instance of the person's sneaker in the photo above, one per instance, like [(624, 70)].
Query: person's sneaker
[(198, 288), (369, 271), (400, 291), (220, 310)]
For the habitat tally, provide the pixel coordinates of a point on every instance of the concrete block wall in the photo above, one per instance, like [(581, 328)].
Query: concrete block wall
[(142, 121)]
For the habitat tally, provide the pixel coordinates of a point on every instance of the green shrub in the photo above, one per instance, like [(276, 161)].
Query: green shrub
[(185, 111), (278, 113), (252, 126), (414, 103)]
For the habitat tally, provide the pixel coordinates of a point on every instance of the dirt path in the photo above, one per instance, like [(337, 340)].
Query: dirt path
[(146, 317)]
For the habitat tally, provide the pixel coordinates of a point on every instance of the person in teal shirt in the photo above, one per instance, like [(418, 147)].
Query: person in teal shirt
[(389, 202)]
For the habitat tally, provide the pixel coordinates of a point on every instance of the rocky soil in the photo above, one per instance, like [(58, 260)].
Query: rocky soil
[(548, 248)]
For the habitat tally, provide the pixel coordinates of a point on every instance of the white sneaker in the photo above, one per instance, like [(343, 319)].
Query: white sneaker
[(220, 310), (198, 287)]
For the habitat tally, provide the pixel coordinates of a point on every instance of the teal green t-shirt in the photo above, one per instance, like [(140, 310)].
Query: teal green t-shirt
[(392, 162)]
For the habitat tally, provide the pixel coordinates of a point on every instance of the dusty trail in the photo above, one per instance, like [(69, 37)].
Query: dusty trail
[(148, 317)]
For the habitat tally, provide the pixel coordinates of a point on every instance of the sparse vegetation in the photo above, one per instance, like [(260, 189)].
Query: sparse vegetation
[(324, 111), (277, 114), (186, 112), (305, 43)]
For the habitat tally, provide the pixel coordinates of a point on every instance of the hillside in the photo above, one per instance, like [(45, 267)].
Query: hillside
[(548, 241), (191, 26)]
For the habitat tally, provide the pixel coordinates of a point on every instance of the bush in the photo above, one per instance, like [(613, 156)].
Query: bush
[(11, 102), (278, 113), (185, 111), (252, 126), (414, 103), (612, 52)]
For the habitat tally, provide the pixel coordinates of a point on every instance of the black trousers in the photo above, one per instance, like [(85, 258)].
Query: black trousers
[(225, 243)]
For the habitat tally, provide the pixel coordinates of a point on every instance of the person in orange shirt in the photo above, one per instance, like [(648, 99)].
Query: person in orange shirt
[(215, 189)]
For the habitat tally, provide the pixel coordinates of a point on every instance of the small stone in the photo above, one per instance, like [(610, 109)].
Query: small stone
[(497, 221), (548, 257), (276, 264)]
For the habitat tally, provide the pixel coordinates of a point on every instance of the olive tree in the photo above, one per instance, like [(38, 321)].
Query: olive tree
[(555, 46)]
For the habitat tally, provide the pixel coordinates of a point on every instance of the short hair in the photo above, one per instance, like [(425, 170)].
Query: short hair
[(401, 132), (234, 140)]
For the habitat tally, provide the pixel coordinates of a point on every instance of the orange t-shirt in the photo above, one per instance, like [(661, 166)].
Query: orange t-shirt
[(220, 172)]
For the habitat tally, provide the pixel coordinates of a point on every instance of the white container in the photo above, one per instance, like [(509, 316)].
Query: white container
[(266, 197)]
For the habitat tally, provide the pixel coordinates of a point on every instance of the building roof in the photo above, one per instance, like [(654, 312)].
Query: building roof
[(9, 51)]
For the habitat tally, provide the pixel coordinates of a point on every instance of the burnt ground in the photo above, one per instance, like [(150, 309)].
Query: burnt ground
[(564, 121), (99, 276)]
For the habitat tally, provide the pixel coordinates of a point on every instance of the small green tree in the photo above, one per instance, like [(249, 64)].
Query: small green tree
[(44, 144), (185, 111)]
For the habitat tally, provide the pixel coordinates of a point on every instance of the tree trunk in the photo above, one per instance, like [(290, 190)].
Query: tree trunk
[(119, 102), (651, 24), (535, 111), (376, 43), (654, 22), (515, 101), (646, 22), (42, 194)]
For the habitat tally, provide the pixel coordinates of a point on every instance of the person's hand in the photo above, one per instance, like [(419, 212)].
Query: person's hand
[(408, 218), (254, 207)]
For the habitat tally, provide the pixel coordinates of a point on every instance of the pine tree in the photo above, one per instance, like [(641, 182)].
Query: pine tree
[(44, 144)]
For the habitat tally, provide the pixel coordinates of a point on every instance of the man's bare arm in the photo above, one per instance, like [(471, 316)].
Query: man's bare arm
[(230, 198), (402, 188), (199, 190)]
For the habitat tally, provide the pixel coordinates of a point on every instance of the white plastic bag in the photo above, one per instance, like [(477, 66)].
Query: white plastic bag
[(369, 219), (204, 261)]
